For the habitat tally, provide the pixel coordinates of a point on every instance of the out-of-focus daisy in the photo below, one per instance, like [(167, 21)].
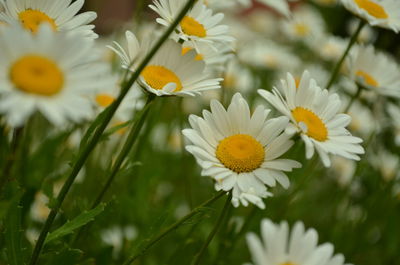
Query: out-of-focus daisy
[(199, 24), (214, 59), (326, 2), (52, 73), (394, 112), (238, 78), (314, 114), (363, 122), (281, 6), (367, 34), (268, 54), (39, 209), (330, 47), (381, 13), (61, 15), (387, 164), (343, 170), (116, 235), (169, 72), (278, 246), (227, 4), (374, 70), (306, 25), (241, 151)]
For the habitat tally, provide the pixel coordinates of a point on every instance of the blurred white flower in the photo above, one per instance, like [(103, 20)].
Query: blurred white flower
[(278, 246)]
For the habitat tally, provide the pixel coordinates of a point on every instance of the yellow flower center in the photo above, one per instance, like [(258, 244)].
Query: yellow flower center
[(104, 100), (38, 75), (288, 263), (198, 57), (368, 79), (193, 28), (315, 126), (32, 19), (240, 153), (301, 29), (158, 76), (374, 9)]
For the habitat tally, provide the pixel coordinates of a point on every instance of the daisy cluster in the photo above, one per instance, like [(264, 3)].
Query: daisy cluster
[(257, 96)]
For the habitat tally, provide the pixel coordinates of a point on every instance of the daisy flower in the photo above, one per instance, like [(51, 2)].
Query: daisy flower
[(268, 54), (374, 70), (279, 246), (241, 151), (280, 6), (314, 114), (52, 73), (227, 4), (330, 47), (169, 72), (394, 113), (199, 24), (60, 14), (381, 13), (306, 25)]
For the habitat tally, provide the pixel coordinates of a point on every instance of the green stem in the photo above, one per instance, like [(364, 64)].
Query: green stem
[(353, 98), (133, 134), (83, 156), (198, 256), (171, 228), (338, 66), (15, 142)]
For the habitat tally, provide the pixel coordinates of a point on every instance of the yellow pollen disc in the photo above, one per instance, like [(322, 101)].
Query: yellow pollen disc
[(198, 57), (104, 100), (158, 76), (38, 75), (374, 9), (240, 153), (301, 30), (368, 79), (315, 126), (193, 28), (32, 19)]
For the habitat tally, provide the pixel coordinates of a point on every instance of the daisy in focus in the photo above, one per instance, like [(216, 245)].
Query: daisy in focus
[(314, 114), (49, 72), (61, 15), (381, 13), (374, 70), (241, 151), (199, 24), (169, 72), (279, 246)]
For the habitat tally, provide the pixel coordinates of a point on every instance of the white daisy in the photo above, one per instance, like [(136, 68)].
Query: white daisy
[(268, 54), (60, 14), (314, 114), (227, 4), (394, 112), (330, 47), (381, 13), (374, 70), (241, 151), (169, 72), (306, 25), (278, 246), (281, 6), (52, 73), (199, 24)]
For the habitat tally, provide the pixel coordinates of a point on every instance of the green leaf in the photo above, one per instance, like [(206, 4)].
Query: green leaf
[(64, 257), (13, 233), (79, 221)]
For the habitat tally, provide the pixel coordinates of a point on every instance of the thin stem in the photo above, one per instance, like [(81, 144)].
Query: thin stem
[(353, 98), (83, 156), (15, 142), (133, 134), (171, 228), (210, 237), (338, 66)]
